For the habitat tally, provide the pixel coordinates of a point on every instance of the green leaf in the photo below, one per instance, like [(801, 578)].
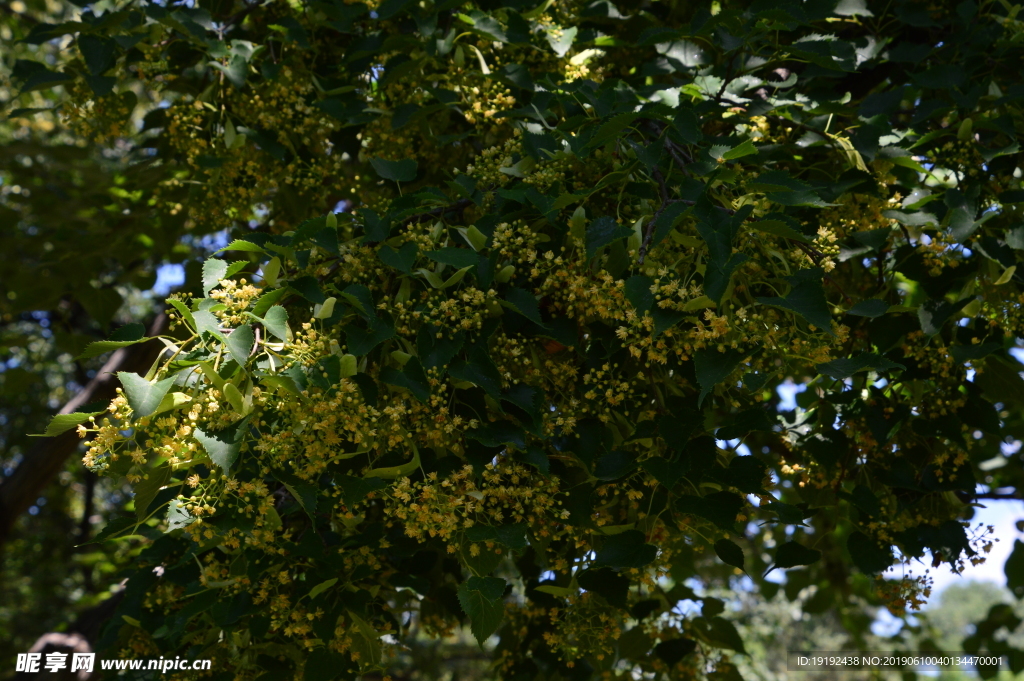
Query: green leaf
[(612, 586), (614, 465), (147, 489), (672, 651), (1014, 569), (664, 471), (536, 457), (434, 351), (268, 300), (721, 508), (484, 562), (177, 516), (933, 314), (626, 550), (354, 490), (511, 536), (432, 277), (323, 664), (474, 237), (911, 219), (806, 298), (235, 70), (276, 322), (868, 555), (902, 158), (98, 53), (122, 526), (214, 270), (603, 231), (386, 10), (396, 171), (309, 288), (143, 397), (779, 228), (186, 314), (788, 191), (848, 366), (322, 587), (718, 229), (411, 377), (744, 149), (206, 321), (360, 298), (326, 310), (365, 640), (638, 292), (457, 277), (240, 344), (61, 423), (611, 130), (303, 492), (485, 24), (523, 302), (481, 599), (129, 334), (234, 397), (729, 553), (222, 446), (42, 78), (792, 554), (961, 223), (454, 256), (1001, 382), (478, 368), (712, 606), (869, 308), (561, 43), (499, 433), (722, 634), (687, 125), (788, 514), (402, 259), (713, 367), (863, 498), (745, 422), (392, 472), (745, 473), (490, 588), (241, 245), (969, 353), (718, 275), (361, 342)]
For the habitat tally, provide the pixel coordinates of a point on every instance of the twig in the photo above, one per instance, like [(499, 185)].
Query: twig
[(459, 205), (812, 253), (832, 281), (662, 187), (672, 149), (665, 201), (725, 82)]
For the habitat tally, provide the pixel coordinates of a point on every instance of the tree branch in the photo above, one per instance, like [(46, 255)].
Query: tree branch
[(41, 463)]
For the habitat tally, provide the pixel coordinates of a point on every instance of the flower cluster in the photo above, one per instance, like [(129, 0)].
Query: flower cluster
[(507, 492)]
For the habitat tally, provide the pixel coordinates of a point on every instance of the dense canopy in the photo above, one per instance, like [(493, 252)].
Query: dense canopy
[(507, 290)]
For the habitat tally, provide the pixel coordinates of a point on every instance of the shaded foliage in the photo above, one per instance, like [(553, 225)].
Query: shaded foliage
[(582, 244)]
